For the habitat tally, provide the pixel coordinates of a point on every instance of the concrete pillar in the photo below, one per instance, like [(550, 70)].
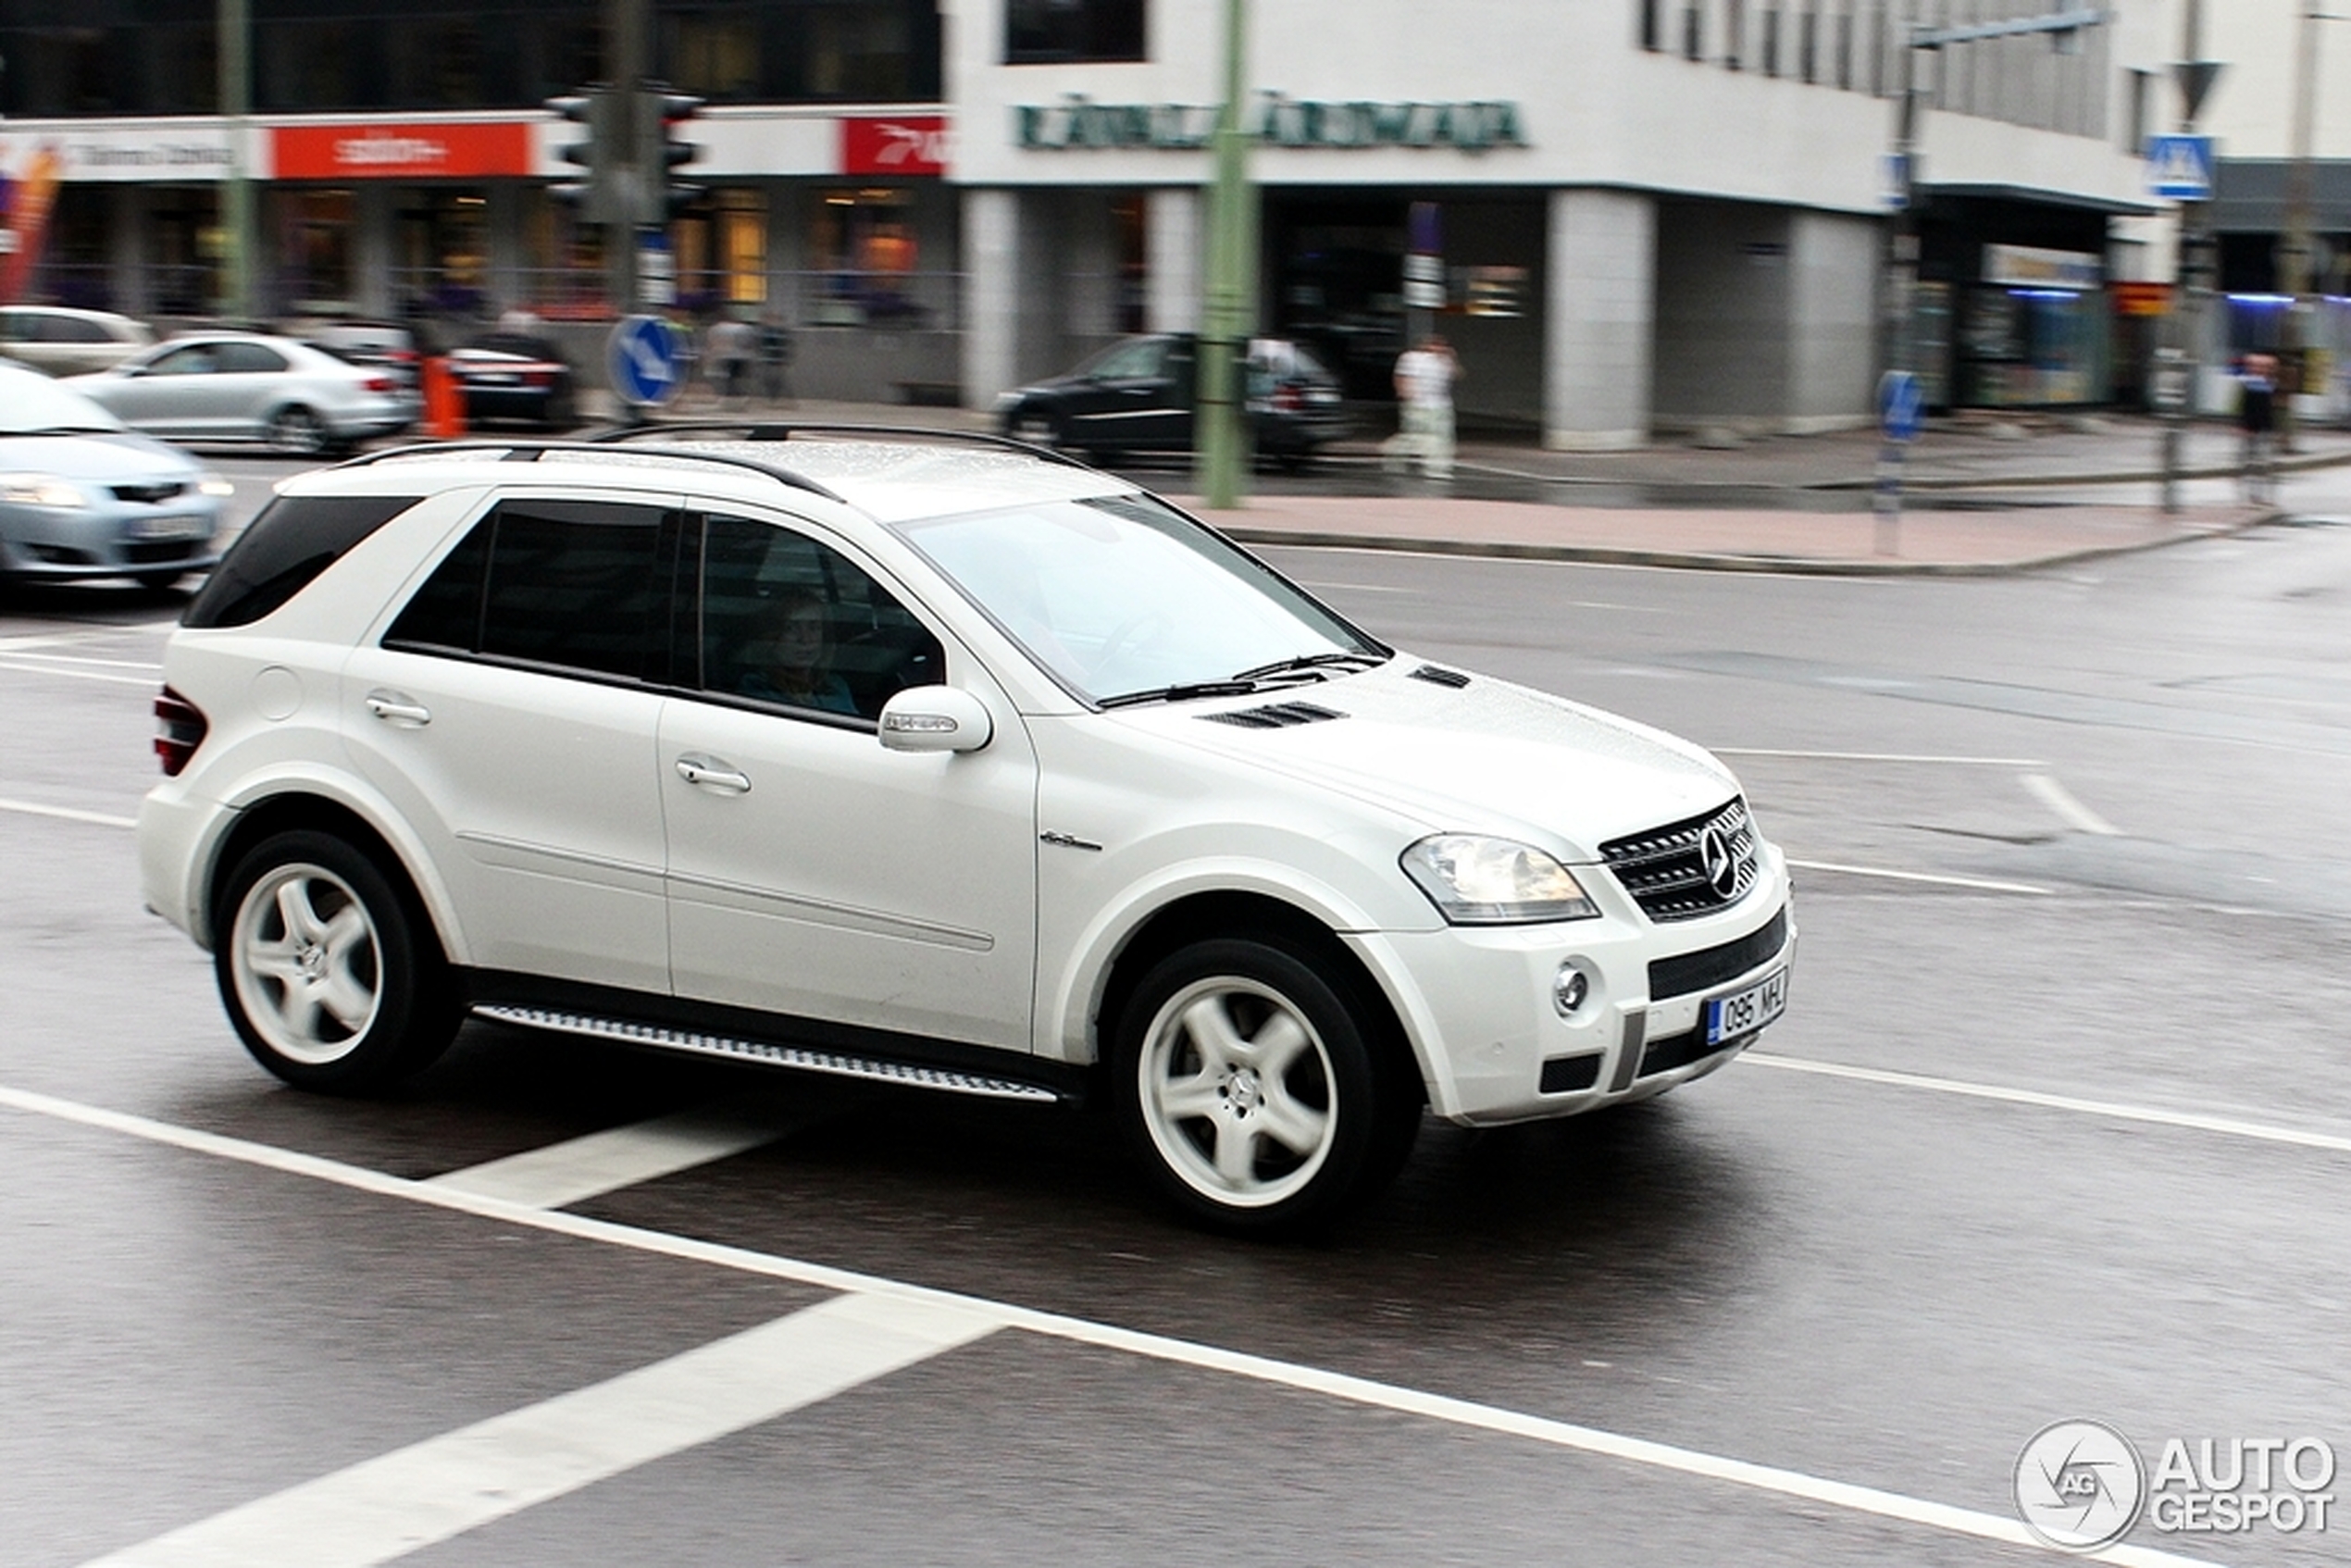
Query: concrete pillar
[(371, 247), (506, 282), (127, 249), (993, 291), (1832, 322), (787, 250), (1172, 234), (1599, 319)]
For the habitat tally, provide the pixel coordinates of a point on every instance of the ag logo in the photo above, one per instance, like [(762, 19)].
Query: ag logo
[(2079, 1485)]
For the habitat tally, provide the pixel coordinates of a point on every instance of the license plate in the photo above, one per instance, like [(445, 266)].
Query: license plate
[(170, 528), (1744, 1012)]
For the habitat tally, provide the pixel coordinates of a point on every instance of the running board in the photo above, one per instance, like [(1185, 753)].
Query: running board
[(873, 1069)]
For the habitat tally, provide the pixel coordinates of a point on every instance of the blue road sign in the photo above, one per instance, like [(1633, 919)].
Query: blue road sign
[(1901, 404), (2180, 167), (641, 353)]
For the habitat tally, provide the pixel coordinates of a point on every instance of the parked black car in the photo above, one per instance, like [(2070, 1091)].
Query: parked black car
[(512, 376), (1138, 395)]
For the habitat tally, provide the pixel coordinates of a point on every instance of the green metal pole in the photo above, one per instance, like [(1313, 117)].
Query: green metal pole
[(235, 62), (1223, 452)]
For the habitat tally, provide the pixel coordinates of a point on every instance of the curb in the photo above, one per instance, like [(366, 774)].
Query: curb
[(1796, 565)]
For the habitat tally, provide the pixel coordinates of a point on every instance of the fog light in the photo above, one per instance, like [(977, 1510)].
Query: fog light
[(1568, 987)]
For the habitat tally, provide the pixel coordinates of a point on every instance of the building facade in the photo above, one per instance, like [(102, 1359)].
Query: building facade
[(1630, 217)]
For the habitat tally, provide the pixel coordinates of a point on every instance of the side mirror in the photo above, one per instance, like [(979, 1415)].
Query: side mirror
[(935, 718)]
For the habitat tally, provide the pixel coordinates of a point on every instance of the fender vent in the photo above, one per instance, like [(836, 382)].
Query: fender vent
[(1277, 716), (1438, 677)]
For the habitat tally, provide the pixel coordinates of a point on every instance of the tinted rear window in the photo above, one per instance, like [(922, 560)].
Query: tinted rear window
[(295, 538)]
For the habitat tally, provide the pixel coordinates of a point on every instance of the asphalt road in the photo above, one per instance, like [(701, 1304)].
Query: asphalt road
[(2057, 1126)]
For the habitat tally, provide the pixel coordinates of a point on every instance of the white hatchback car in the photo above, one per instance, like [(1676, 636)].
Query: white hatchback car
[(942, 762)]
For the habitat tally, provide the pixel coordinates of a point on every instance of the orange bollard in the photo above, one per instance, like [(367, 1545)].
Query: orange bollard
[(445, 403)]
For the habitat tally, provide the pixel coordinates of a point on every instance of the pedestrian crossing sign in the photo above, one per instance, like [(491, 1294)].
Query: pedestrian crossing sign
[(2180, 167)]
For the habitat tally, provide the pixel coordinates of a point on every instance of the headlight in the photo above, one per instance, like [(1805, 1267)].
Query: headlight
[(1474, 881), (40, 490), (213, 484)]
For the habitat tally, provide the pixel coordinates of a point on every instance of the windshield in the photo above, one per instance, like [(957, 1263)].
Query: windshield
[(1126, 598), (30, 403)]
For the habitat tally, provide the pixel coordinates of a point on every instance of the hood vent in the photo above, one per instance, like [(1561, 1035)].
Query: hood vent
[(1436, 677), (1278, 716)]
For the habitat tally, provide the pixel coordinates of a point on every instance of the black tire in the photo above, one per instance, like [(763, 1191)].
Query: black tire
[(330, 970), (1261, 1095), (299, 433)]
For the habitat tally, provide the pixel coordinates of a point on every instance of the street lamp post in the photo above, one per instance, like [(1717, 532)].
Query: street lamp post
[(1224, 319), (234, 57)]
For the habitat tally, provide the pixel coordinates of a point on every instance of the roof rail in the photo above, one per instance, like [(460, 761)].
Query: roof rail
[(532, 451), (784, 430)]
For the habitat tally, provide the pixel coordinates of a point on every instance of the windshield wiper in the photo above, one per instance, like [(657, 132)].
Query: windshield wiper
[(1309, 663), (1235, 688)]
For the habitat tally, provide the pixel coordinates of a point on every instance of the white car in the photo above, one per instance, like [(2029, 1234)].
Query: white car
[(251, 387), (64, 342), (941, 761)]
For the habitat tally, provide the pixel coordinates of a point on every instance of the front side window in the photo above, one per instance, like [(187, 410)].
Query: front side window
[(567, 584), (789, 622), (1123, 597), (1044, 31)]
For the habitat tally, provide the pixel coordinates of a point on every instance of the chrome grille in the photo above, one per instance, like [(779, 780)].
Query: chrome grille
[(1665, 869)]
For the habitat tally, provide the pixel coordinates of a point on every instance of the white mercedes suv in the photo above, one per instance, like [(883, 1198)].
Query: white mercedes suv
[(941, 760)]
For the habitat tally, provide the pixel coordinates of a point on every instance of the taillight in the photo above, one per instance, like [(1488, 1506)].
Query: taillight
[(1288, 399), (380, 385), (538, 377), (179, 729)]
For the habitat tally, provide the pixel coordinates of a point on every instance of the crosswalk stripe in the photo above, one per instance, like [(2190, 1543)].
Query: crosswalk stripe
[(581, 1168), (399, 1502)]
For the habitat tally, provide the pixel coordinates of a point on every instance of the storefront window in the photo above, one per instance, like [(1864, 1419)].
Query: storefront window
[(2036, 347), (444, 252), (318, 249), (1043, 32), (865, 245)]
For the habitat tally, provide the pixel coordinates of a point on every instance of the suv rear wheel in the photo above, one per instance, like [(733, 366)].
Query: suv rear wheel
[(1256, 1091), (330, 977)]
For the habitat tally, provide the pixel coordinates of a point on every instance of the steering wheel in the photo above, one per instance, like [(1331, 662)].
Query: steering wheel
[(1133, 633)]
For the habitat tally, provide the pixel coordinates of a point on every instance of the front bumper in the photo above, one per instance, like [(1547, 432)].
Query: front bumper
[(1477, 1002), (110, 539)]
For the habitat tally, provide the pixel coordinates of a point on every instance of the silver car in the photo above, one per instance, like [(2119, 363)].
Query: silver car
[(70, 342), (242, 386), (82, 497)]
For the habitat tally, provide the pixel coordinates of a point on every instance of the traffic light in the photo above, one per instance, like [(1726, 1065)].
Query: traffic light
[(661, 112), (596, 191)]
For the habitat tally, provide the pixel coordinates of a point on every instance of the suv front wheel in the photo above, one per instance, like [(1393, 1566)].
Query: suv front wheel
[(1256, 1091), (331, 977)]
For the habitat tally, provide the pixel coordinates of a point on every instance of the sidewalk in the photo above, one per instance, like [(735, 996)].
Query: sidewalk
[(1786, 504)]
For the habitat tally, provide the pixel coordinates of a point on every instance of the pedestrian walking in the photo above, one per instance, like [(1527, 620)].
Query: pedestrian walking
[(2256, 422), (1424, 378), (730, 348), (775, 353)]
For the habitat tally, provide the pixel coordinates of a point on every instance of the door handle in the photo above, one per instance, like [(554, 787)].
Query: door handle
[(398, 707), (714, 773)]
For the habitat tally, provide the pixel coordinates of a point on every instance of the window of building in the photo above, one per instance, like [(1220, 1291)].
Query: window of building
[(1808, 44), (714, 53), (1733, 33), (1769, 53), (1693, 31), (2134, 129), (864, 243), (1845, 45), (1652, 25), (1044, 31)]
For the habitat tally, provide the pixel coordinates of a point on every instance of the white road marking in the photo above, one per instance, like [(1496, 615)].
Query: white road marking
[(83, 659), (2072, 811), (68, 813), (581, 1168), (1978, 884), (27, 667), (2227, 1126), (1874, 757), (387, 1506), (1357, 1390)]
